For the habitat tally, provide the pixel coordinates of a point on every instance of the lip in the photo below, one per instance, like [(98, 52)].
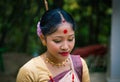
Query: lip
[(64, 53)]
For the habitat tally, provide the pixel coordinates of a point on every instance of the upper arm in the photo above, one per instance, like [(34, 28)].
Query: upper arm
[(24, 75), (85, 74)]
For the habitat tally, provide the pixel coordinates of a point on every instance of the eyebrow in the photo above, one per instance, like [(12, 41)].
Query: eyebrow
[(61, 36)]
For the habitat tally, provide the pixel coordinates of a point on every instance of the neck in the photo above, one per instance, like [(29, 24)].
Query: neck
[(55, 62)]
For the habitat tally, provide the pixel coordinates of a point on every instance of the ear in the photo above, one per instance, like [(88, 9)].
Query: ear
[(43, 40)]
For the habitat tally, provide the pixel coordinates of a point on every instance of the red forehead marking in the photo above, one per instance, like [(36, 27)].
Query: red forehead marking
[(65, 31), (63, 21)]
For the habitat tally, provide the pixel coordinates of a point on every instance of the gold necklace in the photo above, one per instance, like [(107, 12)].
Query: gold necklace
[(47, 60)]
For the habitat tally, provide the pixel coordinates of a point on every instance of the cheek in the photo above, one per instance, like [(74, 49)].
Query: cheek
[(52, 46), (72, 44)]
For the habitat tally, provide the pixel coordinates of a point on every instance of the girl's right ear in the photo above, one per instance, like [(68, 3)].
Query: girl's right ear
[(43, 40)]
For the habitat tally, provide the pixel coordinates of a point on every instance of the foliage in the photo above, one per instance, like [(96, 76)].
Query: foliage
[(19, 18)]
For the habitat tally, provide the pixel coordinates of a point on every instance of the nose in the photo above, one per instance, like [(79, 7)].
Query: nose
[(65, 46)]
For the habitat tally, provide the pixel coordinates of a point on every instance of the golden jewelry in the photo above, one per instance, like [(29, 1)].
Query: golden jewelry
[(47, 60)]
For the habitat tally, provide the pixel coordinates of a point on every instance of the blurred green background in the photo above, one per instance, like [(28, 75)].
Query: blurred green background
[(18, 19)]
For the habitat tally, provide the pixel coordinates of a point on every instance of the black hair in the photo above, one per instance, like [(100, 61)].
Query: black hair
[(52, 18)]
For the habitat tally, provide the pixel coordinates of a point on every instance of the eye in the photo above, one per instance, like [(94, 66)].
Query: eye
[(71, 39), (57, 41)]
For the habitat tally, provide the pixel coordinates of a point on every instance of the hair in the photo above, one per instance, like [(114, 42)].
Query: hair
[(52, 18)]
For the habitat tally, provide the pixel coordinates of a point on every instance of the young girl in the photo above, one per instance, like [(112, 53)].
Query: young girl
[(56, 31)]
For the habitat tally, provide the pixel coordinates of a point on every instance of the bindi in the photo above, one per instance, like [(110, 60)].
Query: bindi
[(63, 21), (65, 31)]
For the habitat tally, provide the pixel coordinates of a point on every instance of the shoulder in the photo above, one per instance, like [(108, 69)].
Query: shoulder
[(83, 60), (31, 70), (77, 57), (33, 64), (29, 66)]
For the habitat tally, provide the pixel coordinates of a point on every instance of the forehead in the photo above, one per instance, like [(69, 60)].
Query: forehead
[(64, 28)]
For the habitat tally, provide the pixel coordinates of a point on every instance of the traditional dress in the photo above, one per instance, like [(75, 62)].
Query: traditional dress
[(36, 70)]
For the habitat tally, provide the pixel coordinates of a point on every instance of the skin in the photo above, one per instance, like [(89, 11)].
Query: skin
[(58, 42)]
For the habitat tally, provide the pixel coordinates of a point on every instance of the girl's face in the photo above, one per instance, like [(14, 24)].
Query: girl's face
[(60, 43)]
